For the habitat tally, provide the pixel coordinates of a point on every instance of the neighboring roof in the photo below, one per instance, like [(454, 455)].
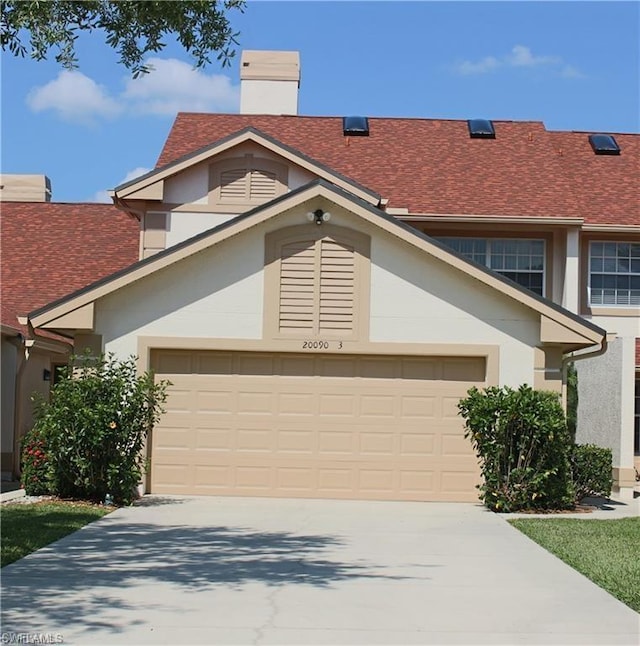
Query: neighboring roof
[(318, 188), (50, 249), (433, 166)]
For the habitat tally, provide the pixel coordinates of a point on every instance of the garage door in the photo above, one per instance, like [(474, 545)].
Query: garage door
[(314, 426)]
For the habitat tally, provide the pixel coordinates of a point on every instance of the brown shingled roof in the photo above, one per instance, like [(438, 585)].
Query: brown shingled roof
[(51, 249), (433, 166)]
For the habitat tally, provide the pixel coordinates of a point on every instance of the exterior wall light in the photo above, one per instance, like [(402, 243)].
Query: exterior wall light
[(318, 216)]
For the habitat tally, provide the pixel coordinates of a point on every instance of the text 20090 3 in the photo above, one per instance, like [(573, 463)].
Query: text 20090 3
[(322, 345)]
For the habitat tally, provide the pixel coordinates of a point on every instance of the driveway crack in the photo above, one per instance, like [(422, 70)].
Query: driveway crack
[(273, 611)]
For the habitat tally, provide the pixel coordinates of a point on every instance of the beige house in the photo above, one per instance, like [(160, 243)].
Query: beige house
[(322, 291)]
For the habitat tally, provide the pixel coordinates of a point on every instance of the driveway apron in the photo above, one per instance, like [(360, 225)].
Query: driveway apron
[(202, 570)]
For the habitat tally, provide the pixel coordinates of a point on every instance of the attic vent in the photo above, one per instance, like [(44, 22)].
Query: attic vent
[(355, 126), (604, 145), (481, 129)]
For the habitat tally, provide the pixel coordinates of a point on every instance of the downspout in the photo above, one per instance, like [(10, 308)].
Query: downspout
[(576, 355)]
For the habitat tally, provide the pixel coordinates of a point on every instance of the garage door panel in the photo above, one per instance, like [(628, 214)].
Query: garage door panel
[(215, 401), (297, 441), (314, 426), (377, 443), (378, 406), (296, 403), (221, 439)]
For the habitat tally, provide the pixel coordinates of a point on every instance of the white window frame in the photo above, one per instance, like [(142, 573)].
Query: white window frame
[(629, 301), (489, 243)]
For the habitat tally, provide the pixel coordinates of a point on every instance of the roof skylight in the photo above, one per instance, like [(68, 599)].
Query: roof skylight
[(355, 126), (604, 145), (481, 129)]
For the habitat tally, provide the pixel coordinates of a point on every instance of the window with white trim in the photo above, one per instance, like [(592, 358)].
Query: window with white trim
[(522, 261), (614, 273)]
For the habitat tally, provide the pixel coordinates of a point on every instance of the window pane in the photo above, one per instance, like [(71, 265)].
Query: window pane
[(614, 273)]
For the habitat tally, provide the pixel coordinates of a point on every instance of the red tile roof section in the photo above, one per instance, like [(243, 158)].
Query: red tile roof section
[(607, 187), (51, 249), (433, 166)]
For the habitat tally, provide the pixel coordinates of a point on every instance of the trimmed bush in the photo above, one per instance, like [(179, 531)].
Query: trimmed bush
[(591, 468), (96, 424), (35, 464), (523, 445)]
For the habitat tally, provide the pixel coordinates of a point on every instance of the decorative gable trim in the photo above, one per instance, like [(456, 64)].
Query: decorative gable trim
[(150, 186)]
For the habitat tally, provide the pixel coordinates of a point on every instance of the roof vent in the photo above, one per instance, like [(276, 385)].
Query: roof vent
[(481, 129), (355, 126), (604, 145)]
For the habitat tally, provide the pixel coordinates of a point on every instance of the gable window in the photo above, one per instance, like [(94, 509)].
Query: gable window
[(315, 281), (614, 273), (522, 261), (243, 182)]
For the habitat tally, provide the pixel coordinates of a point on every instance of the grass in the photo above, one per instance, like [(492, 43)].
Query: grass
[(25, 528), (605, 551)]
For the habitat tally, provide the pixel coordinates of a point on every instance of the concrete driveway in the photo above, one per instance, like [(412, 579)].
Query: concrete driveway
[(259, 571)]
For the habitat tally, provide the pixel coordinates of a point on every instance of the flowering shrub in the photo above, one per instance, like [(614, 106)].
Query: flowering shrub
[(35, 463), (96, 423)]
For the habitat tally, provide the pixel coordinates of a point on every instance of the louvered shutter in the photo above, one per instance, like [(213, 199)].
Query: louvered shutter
[(317, 287), (297, 287), (262, 185), (233, 184), (337, 280)]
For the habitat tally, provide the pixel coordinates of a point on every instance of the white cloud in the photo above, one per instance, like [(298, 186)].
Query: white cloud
[(519, 57), (73, 96), (103, 196), (485, 65), (172, 86)]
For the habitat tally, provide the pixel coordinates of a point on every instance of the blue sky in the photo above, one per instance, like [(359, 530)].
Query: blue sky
[(572, 65)]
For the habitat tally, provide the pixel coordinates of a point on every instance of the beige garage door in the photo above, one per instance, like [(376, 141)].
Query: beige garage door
[(314, 426)]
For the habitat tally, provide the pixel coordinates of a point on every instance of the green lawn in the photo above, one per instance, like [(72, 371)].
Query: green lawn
[(25, 528), (605, 551)]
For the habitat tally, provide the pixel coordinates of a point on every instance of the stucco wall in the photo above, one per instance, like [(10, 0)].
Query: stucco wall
[(9, 354), (183, 226), (217, 293), (418, 300), (32, 383), (189, 187), (599, 387), (414, 299)]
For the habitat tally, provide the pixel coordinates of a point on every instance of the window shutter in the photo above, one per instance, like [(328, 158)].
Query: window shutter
[(337, 274), (297, 287), (263, 185), (233, 184), (317, 287)]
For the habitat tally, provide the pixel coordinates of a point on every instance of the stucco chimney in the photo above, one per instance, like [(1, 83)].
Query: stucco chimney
[(269, 82), (25, 188)]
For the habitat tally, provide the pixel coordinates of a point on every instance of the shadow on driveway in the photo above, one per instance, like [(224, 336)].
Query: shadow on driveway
[(86, 574)]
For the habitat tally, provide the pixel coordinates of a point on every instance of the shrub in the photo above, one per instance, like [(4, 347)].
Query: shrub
[(96, 424), (35, 464), (591, 468), (522, 442)]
